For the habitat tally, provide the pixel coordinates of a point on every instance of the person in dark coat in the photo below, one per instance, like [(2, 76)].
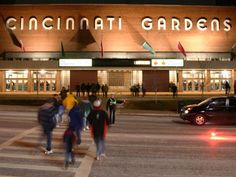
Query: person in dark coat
[(98, 120), (78, 88), (76, 121), (69, 140), (227, 88), (46, 117)]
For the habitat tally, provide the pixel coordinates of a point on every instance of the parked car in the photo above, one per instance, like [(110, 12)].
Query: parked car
[(216, 109)]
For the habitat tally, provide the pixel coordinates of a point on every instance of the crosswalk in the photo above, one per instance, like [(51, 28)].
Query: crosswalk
[(22, 150)]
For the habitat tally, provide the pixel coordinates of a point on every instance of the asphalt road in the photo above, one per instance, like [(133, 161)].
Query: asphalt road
[(140, 144)]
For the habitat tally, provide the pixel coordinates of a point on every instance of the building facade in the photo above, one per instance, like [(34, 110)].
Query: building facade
[(44, 48)]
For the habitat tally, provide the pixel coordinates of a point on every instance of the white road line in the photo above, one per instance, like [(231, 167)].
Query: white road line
[(35, 167), (86, 163), (17, 137), (38, 157), (82, 149)]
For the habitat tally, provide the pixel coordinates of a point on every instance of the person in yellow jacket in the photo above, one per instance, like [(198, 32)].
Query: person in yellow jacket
[(69, 102)]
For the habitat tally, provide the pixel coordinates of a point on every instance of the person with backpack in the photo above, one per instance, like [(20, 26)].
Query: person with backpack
[(76, 121), (98, 121), (46, 117), (69, 140)]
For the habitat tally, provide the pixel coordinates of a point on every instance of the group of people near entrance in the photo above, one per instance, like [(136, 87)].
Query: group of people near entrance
[(78, 115), (91, 88)]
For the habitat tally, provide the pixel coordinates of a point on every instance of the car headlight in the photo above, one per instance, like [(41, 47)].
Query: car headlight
[(187, 110)]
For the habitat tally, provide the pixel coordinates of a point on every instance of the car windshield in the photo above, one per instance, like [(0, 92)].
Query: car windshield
[(204, 102)]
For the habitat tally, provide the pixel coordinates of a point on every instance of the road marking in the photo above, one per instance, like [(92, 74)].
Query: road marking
[(86, 163), (35, 167), (17, 137), (38, 157), (81, 150)]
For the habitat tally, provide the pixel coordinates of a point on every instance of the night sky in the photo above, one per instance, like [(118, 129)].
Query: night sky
[(183, 2)]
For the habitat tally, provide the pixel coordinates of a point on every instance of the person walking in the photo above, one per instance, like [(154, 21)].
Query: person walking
[(76, 122), (85, 106), (106, 89), (98, 120), (227, 88), (111, 107), (46, 114), (78, 89), (174, 90), (68, 103), (69, 140)]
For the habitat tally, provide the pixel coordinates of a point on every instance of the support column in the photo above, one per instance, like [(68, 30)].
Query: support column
[(208, 80), (2, 80), (58, 81), (29, 83), (180, 80)]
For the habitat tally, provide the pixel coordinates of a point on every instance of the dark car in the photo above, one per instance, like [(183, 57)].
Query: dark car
[(216, 109)]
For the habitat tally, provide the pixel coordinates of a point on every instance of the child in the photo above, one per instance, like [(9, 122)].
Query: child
[(69, 140)]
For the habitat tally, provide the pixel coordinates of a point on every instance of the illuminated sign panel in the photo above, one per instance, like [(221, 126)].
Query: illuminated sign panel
[(142, 62), (75, 62), (167, 62)]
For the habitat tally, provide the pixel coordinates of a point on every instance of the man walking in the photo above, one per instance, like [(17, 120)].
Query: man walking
[(46, 115), (98, 120)]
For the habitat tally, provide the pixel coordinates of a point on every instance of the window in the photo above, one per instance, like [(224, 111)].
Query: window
[(218, 103)]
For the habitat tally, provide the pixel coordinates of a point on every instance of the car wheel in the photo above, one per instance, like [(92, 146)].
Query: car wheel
[(199, 119)]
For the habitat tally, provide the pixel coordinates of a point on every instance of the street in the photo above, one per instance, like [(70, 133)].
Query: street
[(139, 145)]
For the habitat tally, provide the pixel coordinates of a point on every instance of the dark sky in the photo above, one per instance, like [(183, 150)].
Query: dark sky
[(184, 2)]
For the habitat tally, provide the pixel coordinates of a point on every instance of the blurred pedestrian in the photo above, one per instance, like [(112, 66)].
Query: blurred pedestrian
[(227, 88), (69, 140), (174, 90), (85, 107), (106, 89), (143, 90), (69, 102), (46, 115), (76, 122), (98, 120), (78, 88)]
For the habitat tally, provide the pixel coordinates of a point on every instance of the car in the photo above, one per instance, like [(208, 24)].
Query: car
[(220, 110)]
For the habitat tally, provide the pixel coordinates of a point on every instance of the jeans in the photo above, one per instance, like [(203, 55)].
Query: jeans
[(49, 140), (85, 122), (100, 146), (69, 155), (78, 135)]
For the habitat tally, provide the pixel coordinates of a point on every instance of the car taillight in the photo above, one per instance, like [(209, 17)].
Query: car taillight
[(222, 137)]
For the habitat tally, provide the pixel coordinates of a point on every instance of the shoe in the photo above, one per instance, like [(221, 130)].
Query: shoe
[(87, 128), (103, 155), (97, 158), (48, 152)]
